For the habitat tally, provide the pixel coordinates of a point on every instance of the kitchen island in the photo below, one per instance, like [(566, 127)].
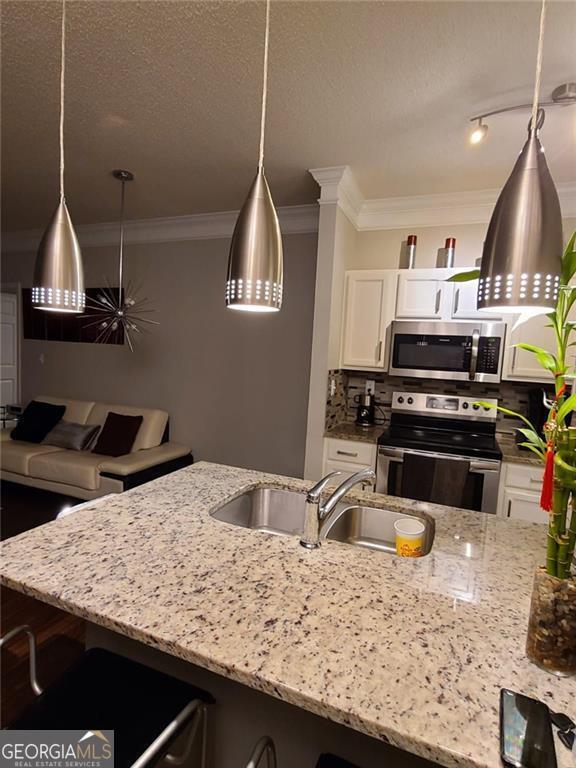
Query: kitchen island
[(413, 652)]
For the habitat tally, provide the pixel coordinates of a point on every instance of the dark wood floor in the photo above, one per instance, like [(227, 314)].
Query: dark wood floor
[(59, 635)]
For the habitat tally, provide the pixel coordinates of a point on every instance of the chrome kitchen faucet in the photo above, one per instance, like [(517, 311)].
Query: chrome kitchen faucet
[(320, 516)]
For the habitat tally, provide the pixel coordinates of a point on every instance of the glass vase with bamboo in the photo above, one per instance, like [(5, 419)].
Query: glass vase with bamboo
[(552, 627)]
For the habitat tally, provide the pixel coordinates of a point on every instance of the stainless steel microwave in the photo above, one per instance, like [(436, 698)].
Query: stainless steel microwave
[(470, 351)]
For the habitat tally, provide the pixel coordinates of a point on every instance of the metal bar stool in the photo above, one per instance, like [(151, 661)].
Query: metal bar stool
[(264, 748), (147, 709)]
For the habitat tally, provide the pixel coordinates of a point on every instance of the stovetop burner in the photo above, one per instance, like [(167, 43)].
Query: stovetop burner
[(442, 424), (442, 441)]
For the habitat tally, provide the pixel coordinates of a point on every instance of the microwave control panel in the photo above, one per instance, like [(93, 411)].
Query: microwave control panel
[(488, 354)]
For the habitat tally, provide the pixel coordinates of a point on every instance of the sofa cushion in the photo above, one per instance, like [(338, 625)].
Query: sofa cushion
[(73, 437), (36, 421), (80, 468), (77, 411), (118, 434), (151, 430), (16, 455)]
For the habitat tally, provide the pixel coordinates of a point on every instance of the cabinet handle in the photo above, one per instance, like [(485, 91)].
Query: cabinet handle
[(438, 293), (346, 453), (536, 480), (509, 508), (379, 354), (457, 300)]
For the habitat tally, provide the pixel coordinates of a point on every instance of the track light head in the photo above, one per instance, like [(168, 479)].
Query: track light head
[(478, 133)]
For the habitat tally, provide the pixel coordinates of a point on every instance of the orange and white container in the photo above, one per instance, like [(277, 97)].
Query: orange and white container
[(409, 537)]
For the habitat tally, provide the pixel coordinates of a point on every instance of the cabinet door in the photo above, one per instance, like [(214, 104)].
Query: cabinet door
[(363, 333), (421, 294), (464, 303), (523, 505), (522, 365)]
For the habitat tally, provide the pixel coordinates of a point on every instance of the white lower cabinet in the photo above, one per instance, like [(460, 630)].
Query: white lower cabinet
[(348, 456), (519, 497)]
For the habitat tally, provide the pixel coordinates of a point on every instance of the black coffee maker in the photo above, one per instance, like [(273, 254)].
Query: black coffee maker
[(365, 411)]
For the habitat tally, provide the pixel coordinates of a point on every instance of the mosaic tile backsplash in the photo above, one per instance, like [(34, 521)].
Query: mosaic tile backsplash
[(341, 406)]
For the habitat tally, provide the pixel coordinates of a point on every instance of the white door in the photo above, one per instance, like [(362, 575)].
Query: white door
[(9, 363), (363, 333), (464, 303), (523, 505), (421, 295)]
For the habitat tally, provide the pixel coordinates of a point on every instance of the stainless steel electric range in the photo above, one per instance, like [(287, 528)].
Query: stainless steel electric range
[(442, 426)]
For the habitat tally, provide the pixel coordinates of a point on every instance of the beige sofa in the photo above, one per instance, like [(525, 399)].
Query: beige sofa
[(87, 475)]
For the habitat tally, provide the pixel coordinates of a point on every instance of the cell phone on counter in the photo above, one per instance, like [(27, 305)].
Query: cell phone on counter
[(526, 738)]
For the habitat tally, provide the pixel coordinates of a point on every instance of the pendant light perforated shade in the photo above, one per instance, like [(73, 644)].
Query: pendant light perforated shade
[(521, 261), (255, 271), (58, 275)]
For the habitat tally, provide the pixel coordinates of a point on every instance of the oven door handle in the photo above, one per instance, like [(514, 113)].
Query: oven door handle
[(393, 453), (474, 354), (476, 465)]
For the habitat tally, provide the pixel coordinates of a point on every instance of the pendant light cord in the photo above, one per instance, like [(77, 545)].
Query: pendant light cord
[(121, 252), (264, 88), (62, 74), (534, 118)]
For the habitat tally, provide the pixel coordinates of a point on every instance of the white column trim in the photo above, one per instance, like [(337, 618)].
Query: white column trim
[(338, 185)]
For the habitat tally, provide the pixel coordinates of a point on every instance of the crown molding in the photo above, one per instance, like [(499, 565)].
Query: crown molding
[(338, 187), (444, 209), (295, 219)]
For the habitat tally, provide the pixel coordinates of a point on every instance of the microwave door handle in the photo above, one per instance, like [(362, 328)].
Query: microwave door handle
[(474, 355)]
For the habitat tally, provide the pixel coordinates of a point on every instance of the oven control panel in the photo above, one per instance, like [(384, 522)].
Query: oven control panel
[(452, 406)]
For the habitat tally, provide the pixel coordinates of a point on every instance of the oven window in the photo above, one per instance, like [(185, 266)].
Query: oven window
[(473, 491), (432, 353)]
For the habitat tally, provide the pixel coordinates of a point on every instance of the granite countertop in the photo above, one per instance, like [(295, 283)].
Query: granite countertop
[(348, 430), (410, 651), (511, 452)]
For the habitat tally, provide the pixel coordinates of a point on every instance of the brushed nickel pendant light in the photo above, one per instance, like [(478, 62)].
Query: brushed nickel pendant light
[(58, 275), (521, 260), (255, 269)]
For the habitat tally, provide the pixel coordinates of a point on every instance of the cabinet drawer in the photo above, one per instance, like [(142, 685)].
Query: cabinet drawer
[(351, 452), (524, 476)]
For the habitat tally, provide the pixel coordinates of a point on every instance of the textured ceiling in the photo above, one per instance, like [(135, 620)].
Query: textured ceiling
[(171, 91)]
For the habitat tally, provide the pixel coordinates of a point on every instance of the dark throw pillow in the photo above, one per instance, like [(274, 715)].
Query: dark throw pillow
[(36, 421), (118, 434), (73, 437)]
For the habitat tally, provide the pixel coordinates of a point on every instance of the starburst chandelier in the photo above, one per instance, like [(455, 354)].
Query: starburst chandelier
[(122, 311)]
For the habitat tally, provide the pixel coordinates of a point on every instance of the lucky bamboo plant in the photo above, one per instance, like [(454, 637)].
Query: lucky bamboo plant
[(558, 447)]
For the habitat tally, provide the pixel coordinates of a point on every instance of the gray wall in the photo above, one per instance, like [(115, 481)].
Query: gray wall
[(235, 384)]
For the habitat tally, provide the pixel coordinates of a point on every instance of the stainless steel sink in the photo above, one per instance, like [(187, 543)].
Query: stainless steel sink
[(373, 528), (266, 509), (282, 513)]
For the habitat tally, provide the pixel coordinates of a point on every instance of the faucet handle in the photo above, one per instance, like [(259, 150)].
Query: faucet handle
[(314, 493)]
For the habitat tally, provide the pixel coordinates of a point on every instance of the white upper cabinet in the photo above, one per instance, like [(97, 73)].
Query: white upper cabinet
[(421, 294), (369, 308), (520, 364), (464, 303)]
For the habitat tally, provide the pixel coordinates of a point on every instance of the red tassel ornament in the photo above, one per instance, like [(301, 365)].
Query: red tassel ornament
[(548, 480)]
